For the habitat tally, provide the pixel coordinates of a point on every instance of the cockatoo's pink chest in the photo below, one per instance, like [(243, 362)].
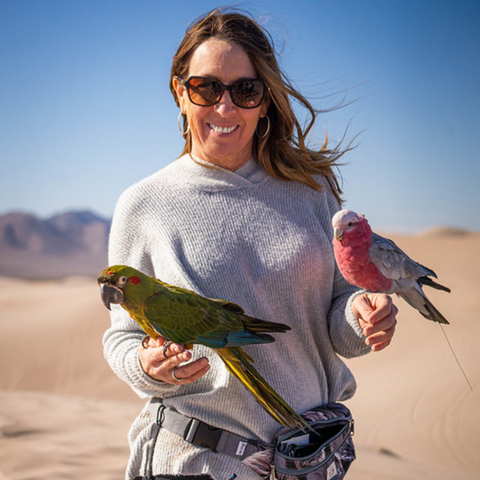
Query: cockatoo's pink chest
[(352, 254)]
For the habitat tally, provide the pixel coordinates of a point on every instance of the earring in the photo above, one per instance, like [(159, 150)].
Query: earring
[(183, 132), (267, 131)]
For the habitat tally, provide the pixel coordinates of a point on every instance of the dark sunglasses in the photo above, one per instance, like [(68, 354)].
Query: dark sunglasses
[(206, 92)]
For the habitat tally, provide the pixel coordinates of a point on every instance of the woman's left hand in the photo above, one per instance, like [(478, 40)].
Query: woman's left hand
[(376, 314)]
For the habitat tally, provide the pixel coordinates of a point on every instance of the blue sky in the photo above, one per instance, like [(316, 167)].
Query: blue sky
[(85, 109)]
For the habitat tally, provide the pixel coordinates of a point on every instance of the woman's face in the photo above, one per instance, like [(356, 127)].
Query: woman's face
[(223, 133)]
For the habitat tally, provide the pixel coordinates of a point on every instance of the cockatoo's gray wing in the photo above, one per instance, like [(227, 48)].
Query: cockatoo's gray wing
[(393, 262)]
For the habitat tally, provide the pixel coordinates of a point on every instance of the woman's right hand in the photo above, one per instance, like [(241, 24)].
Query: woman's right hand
[(167, 367)]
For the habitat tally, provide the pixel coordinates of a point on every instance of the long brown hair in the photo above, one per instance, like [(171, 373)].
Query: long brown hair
[(283, 153)]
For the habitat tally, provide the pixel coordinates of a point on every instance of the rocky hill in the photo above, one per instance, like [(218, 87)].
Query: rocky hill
[(73, 243)]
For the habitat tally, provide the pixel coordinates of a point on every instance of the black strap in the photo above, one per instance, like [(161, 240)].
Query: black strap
[(200, 433)]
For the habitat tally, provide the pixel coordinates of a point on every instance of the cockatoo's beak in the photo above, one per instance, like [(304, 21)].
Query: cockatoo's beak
[(338, 234), (110, 294)]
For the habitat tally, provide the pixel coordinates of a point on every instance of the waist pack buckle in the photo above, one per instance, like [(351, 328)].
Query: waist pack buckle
[(201, 434)]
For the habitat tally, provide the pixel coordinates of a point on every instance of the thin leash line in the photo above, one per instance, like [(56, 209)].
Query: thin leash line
[(454, 356)]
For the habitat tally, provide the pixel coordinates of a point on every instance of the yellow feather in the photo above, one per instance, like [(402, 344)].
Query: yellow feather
[(239, 365)]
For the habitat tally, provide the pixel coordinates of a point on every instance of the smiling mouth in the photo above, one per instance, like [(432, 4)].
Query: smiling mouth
[(218, 129)]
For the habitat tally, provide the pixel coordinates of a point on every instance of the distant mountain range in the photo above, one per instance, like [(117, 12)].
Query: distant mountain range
[(73, 243)]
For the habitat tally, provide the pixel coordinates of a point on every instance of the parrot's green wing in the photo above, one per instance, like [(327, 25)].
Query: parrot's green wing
[(233, 307), (182, 316)]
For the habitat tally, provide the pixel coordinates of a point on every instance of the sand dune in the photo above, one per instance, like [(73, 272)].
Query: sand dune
[(63, 413), (57, 437), (413, 400)]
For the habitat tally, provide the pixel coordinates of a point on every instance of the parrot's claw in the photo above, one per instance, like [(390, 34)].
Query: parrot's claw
[(145, 340), (165, 347)]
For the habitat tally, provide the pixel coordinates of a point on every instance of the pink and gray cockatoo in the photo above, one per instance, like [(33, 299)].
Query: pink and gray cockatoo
[(377, 264)]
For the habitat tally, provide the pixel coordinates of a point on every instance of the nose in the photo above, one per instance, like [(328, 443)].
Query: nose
[(225, 105)]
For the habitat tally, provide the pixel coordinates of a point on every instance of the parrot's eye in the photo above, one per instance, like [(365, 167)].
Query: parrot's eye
[(122, 281), (349, 224)]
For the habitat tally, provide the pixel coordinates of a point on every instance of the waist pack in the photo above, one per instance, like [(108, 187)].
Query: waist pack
[(325, 453)]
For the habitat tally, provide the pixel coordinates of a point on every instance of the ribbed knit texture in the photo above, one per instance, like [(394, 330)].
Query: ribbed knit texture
[(253, 240)]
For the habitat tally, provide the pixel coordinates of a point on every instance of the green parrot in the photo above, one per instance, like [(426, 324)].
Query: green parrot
[(185, 317)]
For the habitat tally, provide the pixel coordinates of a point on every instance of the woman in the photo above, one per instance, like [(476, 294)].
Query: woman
[(244, 214)]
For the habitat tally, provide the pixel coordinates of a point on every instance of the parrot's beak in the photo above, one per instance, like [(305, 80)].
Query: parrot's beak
[(110, 294), (338, 234)]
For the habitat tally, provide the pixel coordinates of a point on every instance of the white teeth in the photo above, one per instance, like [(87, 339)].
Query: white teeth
[(218, 129)]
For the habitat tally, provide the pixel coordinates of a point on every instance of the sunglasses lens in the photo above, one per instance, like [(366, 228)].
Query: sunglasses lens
[(248, 93), (206, 92), (203, 91)]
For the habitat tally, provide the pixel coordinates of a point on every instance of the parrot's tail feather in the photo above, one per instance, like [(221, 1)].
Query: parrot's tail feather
[(265, 336), (256, 325), (239, 365), (418, 300), (430, 283), (435, 315)]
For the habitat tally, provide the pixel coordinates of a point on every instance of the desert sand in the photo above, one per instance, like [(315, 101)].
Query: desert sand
[(65, 415)]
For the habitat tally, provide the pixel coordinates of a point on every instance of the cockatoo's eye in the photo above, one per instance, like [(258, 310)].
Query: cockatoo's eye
[(122, 281), (349, 224)]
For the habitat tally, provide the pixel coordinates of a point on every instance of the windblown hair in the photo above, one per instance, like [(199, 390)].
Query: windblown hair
[(283, 153)]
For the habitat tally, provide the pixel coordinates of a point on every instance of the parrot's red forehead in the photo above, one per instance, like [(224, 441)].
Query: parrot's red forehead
[(134, 279)]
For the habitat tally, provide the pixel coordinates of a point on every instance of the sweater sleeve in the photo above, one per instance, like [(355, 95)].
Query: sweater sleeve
[(122, 341), (345, 332)]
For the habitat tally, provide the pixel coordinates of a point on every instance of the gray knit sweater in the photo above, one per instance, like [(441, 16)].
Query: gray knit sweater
[(253, 240)]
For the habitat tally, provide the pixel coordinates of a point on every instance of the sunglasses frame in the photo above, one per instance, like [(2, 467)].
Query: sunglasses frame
[(228, 88)]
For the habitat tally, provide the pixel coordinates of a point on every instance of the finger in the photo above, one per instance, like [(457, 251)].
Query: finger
[(380, 346), (154, 363), (382, 308), (172, 349), (380, 340), (191, 372), (157, 366), (200, 373), (149, 342), (380, 337), (168, 348), (362, 309), (176, 360), (384, 324)]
